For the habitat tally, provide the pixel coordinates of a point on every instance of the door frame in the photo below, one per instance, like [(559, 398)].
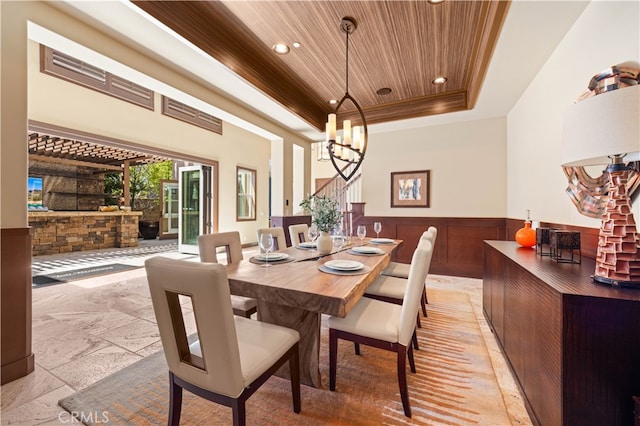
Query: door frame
[(207, 202), (166, 235)]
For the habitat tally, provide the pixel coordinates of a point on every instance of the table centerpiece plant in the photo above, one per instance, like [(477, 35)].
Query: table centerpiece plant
[(326, 216)]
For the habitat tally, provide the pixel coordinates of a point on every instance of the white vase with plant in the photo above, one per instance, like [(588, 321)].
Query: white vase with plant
[(326, 216)]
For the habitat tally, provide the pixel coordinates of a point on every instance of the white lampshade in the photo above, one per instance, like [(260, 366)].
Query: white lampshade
[(602, 125)]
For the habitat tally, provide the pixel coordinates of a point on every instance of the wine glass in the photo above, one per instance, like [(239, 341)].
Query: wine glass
[(362, 232), (266, 244), (338, 240), (312, 233), (377, 226)]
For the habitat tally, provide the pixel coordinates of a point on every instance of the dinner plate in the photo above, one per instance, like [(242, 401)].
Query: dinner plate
[(382, 241), (367, 250), (344, 265), (307, 244), (272, 256)]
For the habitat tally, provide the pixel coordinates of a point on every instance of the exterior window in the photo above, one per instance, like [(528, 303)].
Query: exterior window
[(246, 194), (74, 70)]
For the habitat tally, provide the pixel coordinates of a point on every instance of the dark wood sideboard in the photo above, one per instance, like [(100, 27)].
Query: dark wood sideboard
[(573, 345)]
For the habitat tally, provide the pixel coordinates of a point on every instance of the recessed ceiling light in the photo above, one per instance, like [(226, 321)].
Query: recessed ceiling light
[(333, 101), (280, 48), (383, 91), (439, 80), (296, 44), (435, 1)]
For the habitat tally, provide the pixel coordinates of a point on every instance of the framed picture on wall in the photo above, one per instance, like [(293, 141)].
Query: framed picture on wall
[(410, 189), (246, 194)]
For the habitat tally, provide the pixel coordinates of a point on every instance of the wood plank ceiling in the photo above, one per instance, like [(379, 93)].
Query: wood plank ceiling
[(401, 45)]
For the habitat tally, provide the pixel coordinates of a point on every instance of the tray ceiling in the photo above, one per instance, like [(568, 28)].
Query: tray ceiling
[(401, 45)]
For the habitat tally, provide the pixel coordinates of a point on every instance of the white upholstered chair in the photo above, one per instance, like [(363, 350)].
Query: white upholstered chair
[(208, 245), (385, 325), (401, 270), (394, 289), (233, 357), (277, 232), (298, 233)]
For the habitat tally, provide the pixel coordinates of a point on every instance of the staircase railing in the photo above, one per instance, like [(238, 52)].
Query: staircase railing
[(344, 193)]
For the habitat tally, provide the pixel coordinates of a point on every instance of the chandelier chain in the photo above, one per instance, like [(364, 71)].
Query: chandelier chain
[(346, 89)]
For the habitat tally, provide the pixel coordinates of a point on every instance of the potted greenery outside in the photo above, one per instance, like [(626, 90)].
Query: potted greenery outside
[(326, 216)]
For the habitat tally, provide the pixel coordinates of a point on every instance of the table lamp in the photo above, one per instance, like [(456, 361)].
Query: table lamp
[(605, 129)]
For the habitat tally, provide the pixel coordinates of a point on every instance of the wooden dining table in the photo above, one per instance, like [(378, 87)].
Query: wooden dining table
[(294, 293)]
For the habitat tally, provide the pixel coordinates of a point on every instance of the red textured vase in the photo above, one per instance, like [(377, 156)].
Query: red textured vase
[(526, 236)]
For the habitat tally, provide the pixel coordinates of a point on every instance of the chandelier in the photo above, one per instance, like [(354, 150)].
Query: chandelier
[(346, 150)]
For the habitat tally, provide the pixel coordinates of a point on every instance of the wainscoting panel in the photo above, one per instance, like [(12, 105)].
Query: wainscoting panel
[(465, 244), (459, 246), (15, 293)]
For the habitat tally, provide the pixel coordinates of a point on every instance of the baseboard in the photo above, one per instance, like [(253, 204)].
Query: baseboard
[(17, 369)]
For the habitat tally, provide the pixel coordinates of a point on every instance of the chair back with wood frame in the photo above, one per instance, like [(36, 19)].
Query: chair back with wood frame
[(210, 367), (298, 233), (277, 232), (208, 245)]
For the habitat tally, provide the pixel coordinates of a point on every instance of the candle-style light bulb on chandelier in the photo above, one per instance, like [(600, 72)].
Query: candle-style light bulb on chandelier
[(349, 147)]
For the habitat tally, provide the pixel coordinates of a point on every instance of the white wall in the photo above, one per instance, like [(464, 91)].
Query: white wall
[(298, 179), (607, 33), (277, 179), (13, 117), (467, 163)]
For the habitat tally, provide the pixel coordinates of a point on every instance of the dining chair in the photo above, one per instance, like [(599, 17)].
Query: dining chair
[(385, 325), (401, 270), (298, 233), (392, 290), (208, 245), (277, 232), (232, 357)]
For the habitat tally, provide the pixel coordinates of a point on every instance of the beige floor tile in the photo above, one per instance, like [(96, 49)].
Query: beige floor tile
[(41, 411), (146, 313), (106, 281), (134, 336), (94, 322), (151, 349), (122, 300), (69, 347), (46, 301), (95, 366), (45, 326), (28, 388)]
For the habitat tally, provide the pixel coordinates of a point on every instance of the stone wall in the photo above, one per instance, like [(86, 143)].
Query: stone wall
[(65, 232), (66, 187)]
